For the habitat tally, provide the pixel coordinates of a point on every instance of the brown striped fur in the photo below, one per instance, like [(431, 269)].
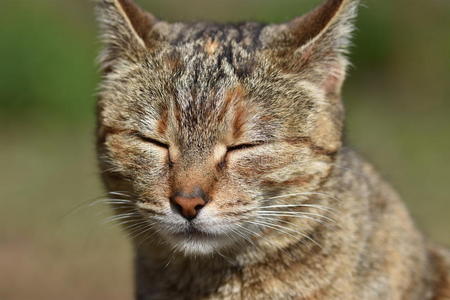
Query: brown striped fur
[(248, 119)]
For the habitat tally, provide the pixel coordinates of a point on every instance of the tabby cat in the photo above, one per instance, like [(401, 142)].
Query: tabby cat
[(221, 148)]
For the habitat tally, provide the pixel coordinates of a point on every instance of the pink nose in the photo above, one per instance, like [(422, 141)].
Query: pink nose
[(188, 207)]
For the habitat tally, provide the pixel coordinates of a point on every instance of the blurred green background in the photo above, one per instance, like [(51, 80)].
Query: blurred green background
[(53, 245)]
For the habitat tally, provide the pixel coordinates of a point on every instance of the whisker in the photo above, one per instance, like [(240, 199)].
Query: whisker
[(170, 257), (111, 201), (120, 193), (282, 229), (120, 217), (255, 233), (77, 207), (293, 213), (321, 207), (269, 225), (121, 206), (273, 221), (249, 230), (294, 216), (227, 259), (148, 237), (126, 222), (145, 229), (134, 224), (243, 236), (303, 194)]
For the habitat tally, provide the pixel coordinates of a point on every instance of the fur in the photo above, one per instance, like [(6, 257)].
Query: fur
[(251, 116)]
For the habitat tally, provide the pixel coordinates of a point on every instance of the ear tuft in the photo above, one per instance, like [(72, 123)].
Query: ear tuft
[(125, 28)]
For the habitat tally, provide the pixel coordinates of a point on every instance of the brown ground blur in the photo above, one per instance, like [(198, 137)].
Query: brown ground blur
[(53, 244)]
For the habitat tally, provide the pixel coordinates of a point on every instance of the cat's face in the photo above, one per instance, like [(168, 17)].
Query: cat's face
[(205, 127)]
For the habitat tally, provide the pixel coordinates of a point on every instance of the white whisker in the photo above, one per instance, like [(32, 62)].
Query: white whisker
[(293, 216), (120, 217), (303, 194), (111, 201), (321, 207), (119, 193), (144, 229), (293, 213), (284, 229), (242, 235)]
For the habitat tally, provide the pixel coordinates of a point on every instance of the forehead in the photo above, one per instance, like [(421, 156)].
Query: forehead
[(246, 36), (210, 55), (205, 79), (205, 68)]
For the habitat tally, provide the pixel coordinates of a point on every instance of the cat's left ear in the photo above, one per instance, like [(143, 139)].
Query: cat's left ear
[(125, 29), (315, 44)]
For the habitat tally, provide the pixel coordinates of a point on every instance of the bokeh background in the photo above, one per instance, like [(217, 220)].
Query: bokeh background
[(53, 240)]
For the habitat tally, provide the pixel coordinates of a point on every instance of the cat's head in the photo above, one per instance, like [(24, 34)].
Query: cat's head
[(204, 129)]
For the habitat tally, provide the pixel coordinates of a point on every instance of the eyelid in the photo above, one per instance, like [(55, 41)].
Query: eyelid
[(151, 140), (244, 146)]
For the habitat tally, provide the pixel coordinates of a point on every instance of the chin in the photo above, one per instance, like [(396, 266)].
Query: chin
[(197, 244), (194, 247)]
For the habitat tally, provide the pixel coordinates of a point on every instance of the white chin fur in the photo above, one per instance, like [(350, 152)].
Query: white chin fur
[(190, 246)]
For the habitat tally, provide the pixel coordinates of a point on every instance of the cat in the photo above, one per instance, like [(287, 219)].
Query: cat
[(220, 146)]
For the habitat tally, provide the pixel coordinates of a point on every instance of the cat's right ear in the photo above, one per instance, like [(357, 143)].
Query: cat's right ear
[(125, 28)]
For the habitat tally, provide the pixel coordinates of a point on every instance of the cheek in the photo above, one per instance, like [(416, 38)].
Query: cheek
[(231, 196), (145, 167), (257, 165), (134, 156), (289, 168)]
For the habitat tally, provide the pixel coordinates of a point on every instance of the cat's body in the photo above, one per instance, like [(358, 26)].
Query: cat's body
[(222, 146)]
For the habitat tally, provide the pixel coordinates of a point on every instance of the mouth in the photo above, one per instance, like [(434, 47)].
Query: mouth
[(193, 233), (193, 241)]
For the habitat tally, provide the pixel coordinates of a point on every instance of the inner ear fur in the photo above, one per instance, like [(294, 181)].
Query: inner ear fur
[(140, 20), (125, 29), (314, 45), (307, 27)]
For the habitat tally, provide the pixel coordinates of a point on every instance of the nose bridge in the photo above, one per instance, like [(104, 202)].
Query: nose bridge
[(194, 192), (194, 178)]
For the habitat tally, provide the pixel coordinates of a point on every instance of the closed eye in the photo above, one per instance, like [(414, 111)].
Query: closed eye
[(243, 146), (151, 140)]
